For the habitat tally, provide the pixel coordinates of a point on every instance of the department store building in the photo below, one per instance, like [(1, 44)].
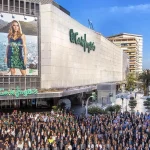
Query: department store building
[(65, 58)]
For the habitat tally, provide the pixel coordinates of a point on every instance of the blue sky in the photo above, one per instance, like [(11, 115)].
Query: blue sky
[(111, 17)]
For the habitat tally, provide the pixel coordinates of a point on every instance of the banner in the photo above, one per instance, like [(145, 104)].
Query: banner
[(18, 45)]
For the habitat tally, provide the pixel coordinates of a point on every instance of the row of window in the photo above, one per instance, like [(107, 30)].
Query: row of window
[(18, 6)]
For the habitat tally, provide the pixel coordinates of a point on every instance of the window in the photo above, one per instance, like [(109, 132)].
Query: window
[(32, 9), (37, 9), (12, 5), (5, 5), (1, 5), (21, 7), (27, 8), (124, 44), (16, 5)]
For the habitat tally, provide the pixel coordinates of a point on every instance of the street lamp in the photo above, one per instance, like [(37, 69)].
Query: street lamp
[(93, 96), (130, 90), (110, 97)]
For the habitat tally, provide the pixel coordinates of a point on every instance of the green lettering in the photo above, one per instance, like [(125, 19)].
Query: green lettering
[(11, 92), (72, 37), (19, 92), (1, 93), (85, 42), (35, 91), (78, 41), (1, 89), (93, 48), (5, 93), (75, 34), (81, 41)]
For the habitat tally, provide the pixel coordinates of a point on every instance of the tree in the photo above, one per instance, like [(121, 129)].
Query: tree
[(147, 104), (114, 108), (94, 96), (145, 78), (131, 78), (132, 103)]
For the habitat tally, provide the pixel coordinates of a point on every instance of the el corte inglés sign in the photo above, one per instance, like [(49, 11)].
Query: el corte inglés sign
[(17, 92), (81, 41)]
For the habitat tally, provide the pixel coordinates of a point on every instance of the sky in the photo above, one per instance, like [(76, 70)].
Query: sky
[(110, 17)]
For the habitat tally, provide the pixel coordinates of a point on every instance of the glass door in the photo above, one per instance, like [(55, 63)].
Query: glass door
[(15, 103), (23, 103)]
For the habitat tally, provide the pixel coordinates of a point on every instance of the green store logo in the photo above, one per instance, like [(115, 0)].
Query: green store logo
[(17, 92), (81, 41)]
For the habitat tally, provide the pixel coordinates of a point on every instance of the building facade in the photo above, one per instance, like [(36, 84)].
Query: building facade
[(67, 64), (133, 45), (64, 57)]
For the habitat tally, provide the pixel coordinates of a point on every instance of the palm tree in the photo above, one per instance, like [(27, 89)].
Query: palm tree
[(145, 78), (131, 78)]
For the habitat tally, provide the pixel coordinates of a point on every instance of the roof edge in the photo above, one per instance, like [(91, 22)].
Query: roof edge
[(125, 34)]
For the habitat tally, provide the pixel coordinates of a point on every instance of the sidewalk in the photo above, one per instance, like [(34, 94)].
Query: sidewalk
[(78, 109), (139, 106)]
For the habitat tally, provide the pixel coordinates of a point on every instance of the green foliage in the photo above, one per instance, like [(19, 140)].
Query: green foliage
[(95, 110), (147, 103), (55, 108), (132, 103), (145, 78), (131, 78), (94, 96), (116, 108)]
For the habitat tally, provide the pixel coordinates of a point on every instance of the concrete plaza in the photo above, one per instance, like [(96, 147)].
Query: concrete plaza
[(139, 106)]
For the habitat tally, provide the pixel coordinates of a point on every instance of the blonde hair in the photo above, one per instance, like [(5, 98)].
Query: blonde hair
[(11, 30)]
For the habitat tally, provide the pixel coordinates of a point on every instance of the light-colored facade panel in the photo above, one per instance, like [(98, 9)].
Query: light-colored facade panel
[(69, 65)]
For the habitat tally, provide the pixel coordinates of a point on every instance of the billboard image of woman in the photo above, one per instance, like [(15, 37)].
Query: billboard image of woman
[(18, 45), (16, 52)]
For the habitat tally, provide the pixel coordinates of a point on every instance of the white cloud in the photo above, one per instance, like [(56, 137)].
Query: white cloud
[(131, 8)]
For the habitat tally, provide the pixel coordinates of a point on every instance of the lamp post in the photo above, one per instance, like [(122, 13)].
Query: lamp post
[(86, 106), (130, 90), (110, 97)]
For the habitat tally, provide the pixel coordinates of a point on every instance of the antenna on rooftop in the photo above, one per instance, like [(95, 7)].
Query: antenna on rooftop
[(90, 24)]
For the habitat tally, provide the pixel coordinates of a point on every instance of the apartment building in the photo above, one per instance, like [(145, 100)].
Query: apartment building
[(132, 44)]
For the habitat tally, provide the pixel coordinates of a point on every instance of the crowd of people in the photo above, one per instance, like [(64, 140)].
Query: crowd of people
[(64, 131)]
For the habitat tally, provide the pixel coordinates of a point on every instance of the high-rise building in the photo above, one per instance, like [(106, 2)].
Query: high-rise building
[(132, 44)]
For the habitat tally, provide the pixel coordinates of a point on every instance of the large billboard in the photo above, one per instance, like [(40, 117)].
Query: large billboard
[(18, 45)]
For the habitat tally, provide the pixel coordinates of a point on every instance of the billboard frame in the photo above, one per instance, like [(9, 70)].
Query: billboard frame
[(27, 77)]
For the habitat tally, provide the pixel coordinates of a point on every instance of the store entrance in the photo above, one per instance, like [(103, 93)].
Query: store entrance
[(9, 104), (27, 103)]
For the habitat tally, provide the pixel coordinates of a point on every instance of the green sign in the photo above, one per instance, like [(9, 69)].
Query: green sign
[(17, 92), (81, 41)]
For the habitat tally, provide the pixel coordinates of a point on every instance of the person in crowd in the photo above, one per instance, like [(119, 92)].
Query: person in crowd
[(64, 131)]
